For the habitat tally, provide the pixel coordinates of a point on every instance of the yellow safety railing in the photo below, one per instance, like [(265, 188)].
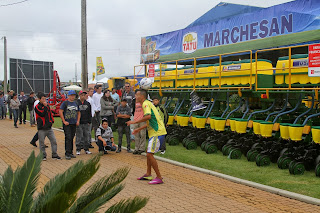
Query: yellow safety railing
[(252, 77), (289, 68), (219, 86)]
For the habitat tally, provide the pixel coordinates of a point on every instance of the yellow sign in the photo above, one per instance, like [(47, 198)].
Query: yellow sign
[(163, 66), (93, 76), (100, 67)]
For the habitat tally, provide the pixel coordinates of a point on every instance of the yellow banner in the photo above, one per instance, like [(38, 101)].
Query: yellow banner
[(93, 76), (100, 67)]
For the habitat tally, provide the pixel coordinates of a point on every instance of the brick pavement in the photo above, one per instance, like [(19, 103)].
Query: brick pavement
[(184, 189)]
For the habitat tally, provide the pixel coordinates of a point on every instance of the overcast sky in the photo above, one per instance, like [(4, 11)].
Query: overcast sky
[(49, 30)]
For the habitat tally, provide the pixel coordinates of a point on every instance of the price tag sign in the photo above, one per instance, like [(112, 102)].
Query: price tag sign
[(314, 60), (151, 72)]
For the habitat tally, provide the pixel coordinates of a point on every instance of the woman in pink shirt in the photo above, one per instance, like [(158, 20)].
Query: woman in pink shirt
[(140, 137)]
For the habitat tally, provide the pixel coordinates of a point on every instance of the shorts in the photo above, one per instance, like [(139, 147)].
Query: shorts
[(155, 143)]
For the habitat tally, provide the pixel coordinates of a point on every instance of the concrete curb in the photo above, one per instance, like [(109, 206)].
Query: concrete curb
[(266, 188), (281, 192)]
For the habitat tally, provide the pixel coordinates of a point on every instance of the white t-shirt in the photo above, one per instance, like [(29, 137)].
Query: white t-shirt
[(90, 100), (96, 102)]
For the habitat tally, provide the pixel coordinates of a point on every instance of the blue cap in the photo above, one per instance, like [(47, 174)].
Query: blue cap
[(72, 92)]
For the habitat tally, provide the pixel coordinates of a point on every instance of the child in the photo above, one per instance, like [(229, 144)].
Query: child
[(156, 131), (164, 116), (105, 138), (44, 123), (123, 114), (70, 116), (83, 130)]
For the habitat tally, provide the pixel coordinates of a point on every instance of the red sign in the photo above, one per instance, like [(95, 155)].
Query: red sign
[(314, 60), (151, 70)]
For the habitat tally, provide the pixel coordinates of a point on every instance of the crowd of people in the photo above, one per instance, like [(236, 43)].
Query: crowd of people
[(94, 110)]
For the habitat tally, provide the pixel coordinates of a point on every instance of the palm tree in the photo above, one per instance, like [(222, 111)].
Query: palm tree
[(17, 190)]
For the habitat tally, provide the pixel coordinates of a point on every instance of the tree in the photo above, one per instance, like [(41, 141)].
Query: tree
[(17, 189)]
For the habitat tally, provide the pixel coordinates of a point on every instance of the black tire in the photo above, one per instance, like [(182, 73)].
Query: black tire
[(299, 168), (285, 163), (212, 149)]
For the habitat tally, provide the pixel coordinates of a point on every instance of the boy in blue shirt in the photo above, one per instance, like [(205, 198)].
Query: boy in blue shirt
[(70, 116)]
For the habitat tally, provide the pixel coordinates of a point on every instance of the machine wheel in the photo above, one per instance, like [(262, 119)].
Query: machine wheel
[(235, 154), (258, 157), (191, 145), (249, 153), (298, 168), (224, 148), (279, 161), (317, 170), (284, 164), (291, 165), (264, 160), (253, 156), (203, 146), (318, 160), (212, 149)]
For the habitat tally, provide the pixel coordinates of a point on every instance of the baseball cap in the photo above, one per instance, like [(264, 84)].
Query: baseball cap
[(72, 92), (82, 92)]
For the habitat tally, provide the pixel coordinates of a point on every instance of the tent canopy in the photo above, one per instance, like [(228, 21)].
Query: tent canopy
[(72, 87), (223, 10)]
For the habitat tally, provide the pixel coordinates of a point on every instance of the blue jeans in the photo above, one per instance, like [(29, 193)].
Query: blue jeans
[(15, 116), (3, 111), (109, 145)]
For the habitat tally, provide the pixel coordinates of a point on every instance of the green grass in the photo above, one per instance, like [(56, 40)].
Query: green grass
[(307, 184)]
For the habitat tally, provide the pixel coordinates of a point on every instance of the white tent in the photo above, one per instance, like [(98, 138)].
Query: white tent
[(103, 80), (72, 87), (92, 82)]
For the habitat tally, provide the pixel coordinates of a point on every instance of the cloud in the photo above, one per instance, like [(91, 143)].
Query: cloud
[(50, 30)]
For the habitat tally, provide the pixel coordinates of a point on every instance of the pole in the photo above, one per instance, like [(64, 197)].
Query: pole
[(5, 66), (75, 74), (84, 52)]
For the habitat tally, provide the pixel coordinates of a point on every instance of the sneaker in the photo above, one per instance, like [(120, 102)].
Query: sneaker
[(34, 144), (68, 157), (77, 152), (24, 122), (20, 123), (162, 152), (88, 152), (156, 181), (118, 151), (129, 150), (91, 147), (15, 126), (44, 158), (135, 152), (140, 152), (145, 177), (72, 156), (56, 157)]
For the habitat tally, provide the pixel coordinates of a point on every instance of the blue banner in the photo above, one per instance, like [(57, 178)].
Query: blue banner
[(292, 17)]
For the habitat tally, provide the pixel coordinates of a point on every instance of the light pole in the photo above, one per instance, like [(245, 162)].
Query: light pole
[(5, 78), (84, 51)]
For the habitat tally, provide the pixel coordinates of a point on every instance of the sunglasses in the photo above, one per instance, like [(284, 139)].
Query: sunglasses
[(127, 86)]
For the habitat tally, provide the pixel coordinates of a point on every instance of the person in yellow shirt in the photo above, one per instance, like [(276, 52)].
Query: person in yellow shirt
[(156, 131)]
